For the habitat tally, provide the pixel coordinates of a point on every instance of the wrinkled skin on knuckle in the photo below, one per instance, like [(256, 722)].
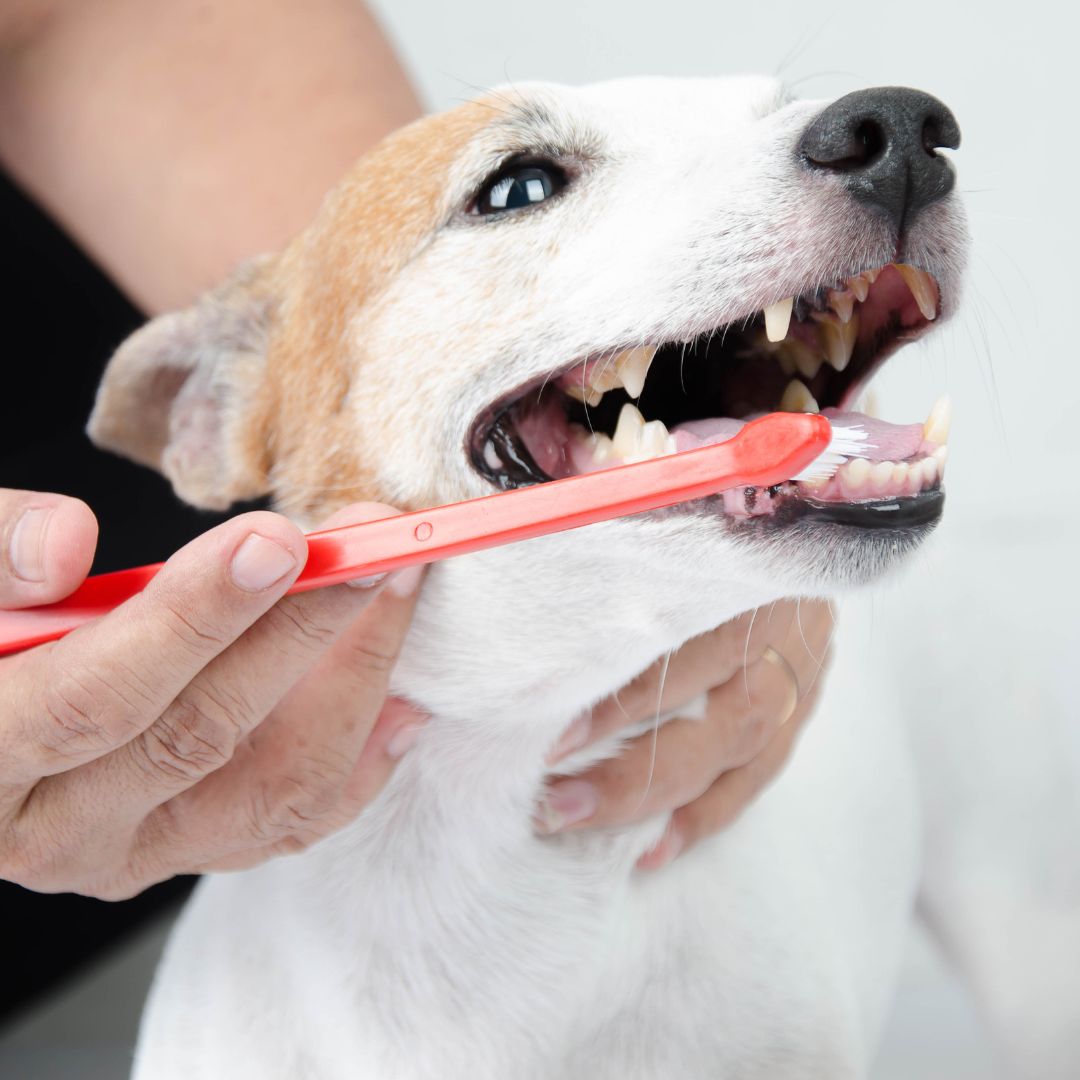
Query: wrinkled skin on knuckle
[(189, 741), (193, 630), (294, 627), (83, 713), (294, 808)]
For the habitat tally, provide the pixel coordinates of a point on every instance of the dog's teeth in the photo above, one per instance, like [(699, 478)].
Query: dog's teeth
[(843, 303), (637, 439), (797, 398), (806, 360), (655, 441), (628, 430), (838, 338), (859, 286), (936, 428), (585, 394), (880, 477), (853, 477), (600, 446), (603, 376), (632, 367), (939, 455), (923, 288), (778, 319), (491, 457), (929, 470)]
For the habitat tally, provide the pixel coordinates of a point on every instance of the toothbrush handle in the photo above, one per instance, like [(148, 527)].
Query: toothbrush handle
[(766, 451)]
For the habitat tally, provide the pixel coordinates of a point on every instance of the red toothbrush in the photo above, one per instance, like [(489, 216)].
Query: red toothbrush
[(767, 451)]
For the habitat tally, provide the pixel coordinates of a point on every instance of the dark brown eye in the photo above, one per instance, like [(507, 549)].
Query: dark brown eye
[(518, 187)]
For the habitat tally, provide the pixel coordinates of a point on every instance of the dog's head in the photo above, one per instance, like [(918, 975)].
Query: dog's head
[(551, 280)]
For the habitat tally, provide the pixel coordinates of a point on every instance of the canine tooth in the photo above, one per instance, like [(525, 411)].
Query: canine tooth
[(797, 398), (871, 275), (936, 428), (778, 318), (843, 303), (491, 457), (859, 286), (628, 431), (880, 476), (838, 339), (584, 394), (632, 367), (922, 287)]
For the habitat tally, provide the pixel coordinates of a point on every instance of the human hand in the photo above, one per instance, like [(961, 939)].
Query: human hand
[(208, 723), (760, 674)]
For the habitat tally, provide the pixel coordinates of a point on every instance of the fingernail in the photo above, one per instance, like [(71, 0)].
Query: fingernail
[(573, 738), (366, 582), (259, 563), (664, 850), (565, 804), (28, 543), (406, 582), (787, 673), (403, 740)]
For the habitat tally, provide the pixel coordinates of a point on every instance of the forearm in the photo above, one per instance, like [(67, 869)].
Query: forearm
[(174, 138)]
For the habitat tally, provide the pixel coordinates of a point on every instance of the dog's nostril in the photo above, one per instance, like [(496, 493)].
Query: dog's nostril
[(931, 137), (884, 143), (872, 139)]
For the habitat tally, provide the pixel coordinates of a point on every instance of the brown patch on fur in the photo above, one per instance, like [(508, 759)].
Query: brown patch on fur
[(370, 226)]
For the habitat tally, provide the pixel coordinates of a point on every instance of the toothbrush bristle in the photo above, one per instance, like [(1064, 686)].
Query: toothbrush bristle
[(846, 443)]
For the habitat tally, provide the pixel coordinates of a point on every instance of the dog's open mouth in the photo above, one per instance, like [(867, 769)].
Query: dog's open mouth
[(810, 353)]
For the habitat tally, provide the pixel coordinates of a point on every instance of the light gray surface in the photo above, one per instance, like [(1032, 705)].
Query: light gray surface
[(86, 1032)]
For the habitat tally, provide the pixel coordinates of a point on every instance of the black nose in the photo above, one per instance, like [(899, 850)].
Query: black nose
[(883, 142)]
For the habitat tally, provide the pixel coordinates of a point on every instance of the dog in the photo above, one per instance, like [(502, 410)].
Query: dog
[(540, 283)]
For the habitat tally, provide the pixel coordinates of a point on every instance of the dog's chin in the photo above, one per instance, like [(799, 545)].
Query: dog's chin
[(821, 557)]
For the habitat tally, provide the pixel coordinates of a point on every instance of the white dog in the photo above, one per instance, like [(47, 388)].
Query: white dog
[(476, 306)]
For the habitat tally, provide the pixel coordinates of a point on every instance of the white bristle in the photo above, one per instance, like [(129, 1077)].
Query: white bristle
[(846, 442)]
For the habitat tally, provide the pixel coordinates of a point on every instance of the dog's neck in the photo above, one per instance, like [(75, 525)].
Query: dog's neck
[(518, 641), (507, 647)]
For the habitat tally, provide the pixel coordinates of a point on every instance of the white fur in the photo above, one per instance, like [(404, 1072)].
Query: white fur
[(438, 936)]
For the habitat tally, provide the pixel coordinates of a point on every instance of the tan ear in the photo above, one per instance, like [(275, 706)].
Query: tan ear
[(182, 393)]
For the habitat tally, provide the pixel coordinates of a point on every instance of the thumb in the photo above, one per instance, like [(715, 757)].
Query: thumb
[(47, 544)]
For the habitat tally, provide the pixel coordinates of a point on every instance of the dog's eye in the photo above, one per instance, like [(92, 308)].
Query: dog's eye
[(518, 187)]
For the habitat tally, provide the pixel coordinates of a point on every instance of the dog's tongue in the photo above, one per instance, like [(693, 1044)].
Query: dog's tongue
[(885, 441)]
